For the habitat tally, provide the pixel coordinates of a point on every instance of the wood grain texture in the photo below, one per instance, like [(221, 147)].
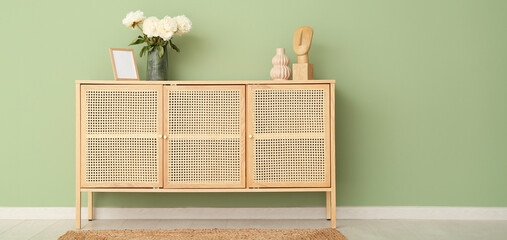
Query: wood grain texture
[(302, 71), (302, 42), (333, 155), (328, 205), (78, 156), (90, 206), (201, 82), (188, 190)]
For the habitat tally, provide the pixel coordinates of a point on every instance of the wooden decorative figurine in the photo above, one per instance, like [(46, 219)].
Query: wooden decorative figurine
[(302, 70), (280, 70)]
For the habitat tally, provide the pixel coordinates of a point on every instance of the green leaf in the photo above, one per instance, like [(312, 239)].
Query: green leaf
[(174, 46), (160, 51), (151, 48), (138, 40), (143, 50)]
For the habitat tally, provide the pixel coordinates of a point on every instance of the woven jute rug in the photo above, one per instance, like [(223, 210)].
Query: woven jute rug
[(313, 234)]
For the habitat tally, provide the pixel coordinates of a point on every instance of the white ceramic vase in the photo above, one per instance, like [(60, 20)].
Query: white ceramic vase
[(281, 69)]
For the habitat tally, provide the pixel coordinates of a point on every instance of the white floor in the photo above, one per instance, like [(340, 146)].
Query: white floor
[(352, 229)]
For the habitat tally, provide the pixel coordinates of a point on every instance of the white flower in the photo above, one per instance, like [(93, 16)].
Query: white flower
[(184, 24), (166, 28), (150, 27), (133, 18)]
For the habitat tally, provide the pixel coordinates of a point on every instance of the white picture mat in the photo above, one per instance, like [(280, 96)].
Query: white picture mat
[(124, 64)]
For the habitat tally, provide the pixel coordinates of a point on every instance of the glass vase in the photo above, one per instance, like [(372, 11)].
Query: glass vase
[(156, 66)]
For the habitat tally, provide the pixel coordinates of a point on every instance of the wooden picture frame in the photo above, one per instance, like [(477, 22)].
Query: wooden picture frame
[(124, 64)]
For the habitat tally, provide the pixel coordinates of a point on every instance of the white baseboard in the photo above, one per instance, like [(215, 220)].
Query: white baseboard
[(451, 213)]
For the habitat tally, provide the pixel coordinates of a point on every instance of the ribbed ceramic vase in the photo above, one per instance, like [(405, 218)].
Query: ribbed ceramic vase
[(156, 65), (281, 69)]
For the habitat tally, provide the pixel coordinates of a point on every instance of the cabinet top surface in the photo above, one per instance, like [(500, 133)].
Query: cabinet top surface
[(203, 82)]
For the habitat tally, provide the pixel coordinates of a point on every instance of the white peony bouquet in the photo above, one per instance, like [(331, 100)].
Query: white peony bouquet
[(156, 33)]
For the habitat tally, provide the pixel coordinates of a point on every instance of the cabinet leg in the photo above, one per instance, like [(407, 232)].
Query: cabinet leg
[(328, 205), (78, 209), (90, 206), (333, 209)]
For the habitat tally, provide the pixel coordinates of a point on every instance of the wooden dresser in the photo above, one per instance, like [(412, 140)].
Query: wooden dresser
[(205, 136)]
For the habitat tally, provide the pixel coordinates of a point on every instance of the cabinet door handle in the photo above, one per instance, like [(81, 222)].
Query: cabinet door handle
[(250, 136), (165, 137)]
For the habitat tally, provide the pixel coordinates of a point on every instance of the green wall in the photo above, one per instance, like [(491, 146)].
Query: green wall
[(421, 92)]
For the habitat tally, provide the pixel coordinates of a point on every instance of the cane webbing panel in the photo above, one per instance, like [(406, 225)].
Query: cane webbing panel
[(289, 110), (289, 160), (122, 111), (204, 112), (204, 161), (289, 125), (121, 160), (121, 128), (204, 136)]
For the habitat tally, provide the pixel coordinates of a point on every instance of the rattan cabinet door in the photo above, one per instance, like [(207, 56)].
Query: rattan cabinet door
[(288, 136), (121, 136), (204, 126)]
